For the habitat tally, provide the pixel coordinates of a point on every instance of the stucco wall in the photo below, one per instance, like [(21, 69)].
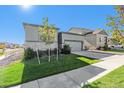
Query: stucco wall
[(32, 34), (32, 39)]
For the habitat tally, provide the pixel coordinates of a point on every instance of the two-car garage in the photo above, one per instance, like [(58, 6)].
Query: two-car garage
[(74, 45), (75, 41)]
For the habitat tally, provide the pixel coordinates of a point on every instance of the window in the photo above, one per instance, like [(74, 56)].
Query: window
[(100, 39), (105, 39)]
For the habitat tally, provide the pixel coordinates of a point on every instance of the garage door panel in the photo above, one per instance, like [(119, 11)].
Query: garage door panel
[(75, 45)]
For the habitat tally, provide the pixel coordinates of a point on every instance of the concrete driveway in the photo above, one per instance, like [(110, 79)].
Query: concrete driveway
[(97, 55)]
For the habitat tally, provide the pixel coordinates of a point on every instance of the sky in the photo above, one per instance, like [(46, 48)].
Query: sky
[(64, 17)]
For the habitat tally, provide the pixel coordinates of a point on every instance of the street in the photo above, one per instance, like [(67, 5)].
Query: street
[(11, 55)]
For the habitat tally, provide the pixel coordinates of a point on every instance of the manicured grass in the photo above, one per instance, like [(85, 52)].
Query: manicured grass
[(88, 60), (115, 51), (115, 79), (24, 71)]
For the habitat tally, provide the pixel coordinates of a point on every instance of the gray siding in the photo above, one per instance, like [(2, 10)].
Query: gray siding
[(91, 39), (32, 38)]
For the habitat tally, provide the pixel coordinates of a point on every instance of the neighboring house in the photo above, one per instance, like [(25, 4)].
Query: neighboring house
[(2, 45), (81, 38), (6, 45), (77, 38), (32, 38)]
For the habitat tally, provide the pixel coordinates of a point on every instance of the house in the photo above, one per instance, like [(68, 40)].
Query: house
[(81, 38), (77, 38), (32, 38)]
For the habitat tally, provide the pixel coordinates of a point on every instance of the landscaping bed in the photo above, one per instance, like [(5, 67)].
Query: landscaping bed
[(114, 79), (24, 71)]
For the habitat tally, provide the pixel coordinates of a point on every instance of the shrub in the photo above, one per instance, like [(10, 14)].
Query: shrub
[(29, 54), (105, 46), (62, 51), (42, 53), (66, 49), (52, 52), (55, 51), (45, 52), (86, 48)]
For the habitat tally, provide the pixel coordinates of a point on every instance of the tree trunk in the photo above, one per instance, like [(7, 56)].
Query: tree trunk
[(38, 56), (49, 54), (57, 54)]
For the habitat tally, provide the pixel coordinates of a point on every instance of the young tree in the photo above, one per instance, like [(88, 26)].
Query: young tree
[(120, 11), (47, 34), (117, 25), (113, 22)]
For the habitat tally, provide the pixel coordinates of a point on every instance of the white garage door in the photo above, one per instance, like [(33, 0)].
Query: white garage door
[(75, 45)]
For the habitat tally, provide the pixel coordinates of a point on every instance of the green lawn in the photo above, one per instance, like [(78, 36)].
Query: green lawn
[(20, 72), (115, 51), (115, 79)]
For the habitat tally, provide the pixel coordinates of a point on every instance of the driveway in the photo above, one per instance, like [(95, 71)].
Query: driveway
[(96, 55)]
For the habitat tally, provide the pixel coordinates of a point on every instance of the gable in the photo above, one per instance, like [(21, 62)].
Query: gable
[(81, 31), (103, 32)]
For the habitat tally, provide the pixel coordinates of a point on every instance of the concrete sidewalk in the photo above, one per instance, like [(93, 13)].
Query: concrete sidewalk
[(78, 77)]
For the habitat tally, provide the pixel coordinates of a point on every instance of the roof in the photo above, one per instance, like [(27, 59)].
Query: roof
[(82, 31), (100, 31), (70, 33), (80, 28), (77, 31), (35, 25)]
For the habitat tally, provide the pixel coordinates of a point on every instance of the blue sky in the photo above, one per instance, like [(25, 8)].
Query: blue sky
[(64, 17)]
